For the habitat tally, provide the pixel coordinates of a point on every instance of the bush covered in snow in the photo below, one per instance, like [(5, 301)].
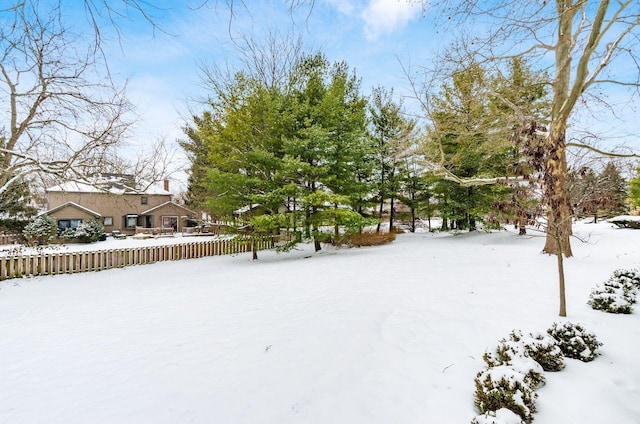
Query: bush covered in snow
[(618, 293), (513, 354), (610, 299), (630, 275), (89, 231), (542, 348), (503, 387), (86, 232), (41, 230), (501, 416), (574, 341)]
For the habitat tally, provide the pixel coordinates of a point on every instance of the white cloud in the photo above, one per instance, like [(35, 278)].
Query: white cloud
[(386, 16)]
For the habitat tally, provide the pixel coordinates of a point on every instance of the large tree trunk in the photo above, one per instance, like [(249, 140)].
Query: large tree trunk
[(557, 195)]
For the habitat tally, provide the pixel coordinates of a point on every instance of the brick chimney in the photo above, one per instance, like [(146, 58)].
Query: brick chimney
[(166, 185)]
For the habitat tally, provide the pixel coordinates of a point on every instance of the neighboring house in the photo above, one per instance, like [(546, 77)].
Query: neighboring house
[(116, 202)]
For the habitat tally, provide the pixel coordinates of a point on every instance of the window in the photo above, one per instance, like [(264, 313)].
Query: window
[(130, 221), (170, 222), (108, 220), (63, 224), (144, 200)]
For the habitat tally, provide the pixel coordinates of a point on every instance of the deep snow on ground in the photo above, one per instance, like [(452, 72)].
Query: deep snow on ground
[(389, 334)]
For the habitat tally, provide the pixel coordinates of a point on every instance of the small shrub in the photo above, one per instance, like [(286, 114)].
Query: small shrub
[(370, 238), (501, 416), (630, 275), (503, 387), (513, 354), (612, 299), (41, 230), (67, 234), (574, 341), (542, 348), (89, 231)]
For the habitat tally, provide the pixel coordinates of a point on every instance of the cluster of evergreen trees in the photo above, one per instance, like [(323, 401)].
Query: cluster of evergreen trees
[(313, 152)]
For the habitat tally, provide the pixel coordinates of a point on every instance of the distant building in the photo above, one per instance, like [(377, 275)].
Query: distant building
[(117, 202)]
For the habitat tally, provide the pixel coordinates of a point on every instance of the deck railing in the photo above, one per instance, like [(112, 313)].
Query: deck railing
[(53, 263)]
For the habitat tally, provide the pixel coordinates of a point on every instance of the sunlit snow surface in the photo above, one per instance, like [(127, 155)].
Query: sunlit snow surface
[(391, 334)]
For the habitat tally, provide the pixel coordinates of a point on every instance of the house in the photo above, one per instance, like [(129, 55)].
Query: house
[(117, 202)]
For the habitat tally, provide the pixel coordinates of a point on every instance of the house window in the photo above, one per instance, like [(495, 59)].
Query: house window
[(131, 221), (170, 222), (63, 224), (108, 220), (144, 200)]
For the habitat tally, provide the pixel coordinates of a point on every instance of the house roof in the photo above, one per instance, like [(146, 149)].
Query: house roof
[(72, 205), (149, 211), (110, 184)]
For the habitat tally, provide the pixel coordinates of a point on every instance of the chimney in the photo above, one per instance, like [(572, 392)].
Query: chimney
[(166, 185)]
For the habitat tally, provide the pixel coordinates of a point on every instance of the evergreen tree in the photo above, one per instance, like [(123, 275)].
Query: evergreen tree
[(298, 150), (392, 135), (598, 195), (15, 201), (325, 144), (475, 120)]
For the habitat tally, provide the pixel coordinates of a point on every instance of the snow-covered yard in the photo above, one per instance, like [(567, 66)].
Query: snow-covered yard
[(391, 334)]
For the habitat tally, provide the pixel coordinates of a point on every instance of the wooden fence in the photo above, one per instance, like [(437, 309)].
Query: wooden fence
[(10, 238), (52, 263)]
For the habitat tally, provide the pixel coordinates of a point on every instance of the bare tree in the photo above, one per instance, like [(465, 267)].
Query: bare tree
[(64, 115)]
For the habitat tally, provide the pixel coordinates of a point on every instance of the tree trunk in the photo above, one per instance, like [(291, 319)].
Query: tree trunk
[(561, 286), (413, 219), (522, 228), (556, 195), (391, 214)]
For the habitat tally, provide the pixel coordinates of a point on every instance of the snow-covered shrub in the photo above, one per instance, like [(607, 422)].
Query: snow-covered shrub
[(503, 387), (626, 280), (574, 341), (41, 230), (542, 348), (514, 355), (501, 416), (89, 231), (611, 298), (630, 275), (67, 234)]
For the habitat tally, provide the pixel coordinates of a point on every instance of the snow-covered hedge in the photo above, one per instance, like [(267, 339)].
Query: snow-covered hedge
[(574, 341), (618, 294), (41, 230), (503, 387), (515, 369)]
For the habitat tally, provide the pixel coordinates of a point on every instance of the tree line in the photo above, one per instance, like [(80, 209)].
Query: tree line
[(308, 151)]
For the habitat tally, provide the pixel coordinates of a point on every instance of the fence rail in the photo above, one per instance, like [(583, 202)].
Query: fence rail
[(53, 263)]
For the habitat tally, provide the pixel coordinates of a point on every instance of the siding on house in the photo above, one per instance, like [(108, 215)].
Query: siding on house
[(117, 206)]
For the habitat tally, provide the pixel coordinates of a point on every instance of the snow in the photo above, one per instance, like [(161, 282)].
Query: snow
[(389, 334)]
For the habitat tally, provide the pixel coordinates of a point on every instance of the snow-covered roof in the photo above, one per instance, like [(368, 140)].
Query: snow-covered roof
[(110, 185)]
